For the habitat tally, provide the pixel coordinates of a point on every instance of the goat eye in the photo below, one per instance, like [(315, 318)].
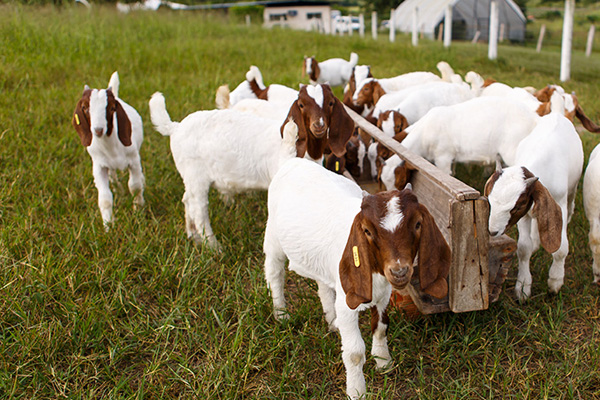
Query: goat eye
[(418, 226), (331, 104), (300, 105), (368, 233)]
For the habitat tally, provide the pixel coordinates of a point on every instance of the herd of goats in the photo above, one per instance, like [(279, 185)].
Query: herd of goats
[(304, 148)]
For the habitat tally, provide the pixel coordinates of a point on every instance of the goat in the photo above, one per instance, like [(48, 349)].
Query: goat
[(537, 192), (254, 88), (357, 247), (112, 133), (359, 73), (370, 90), (236, 152), (476, 130), (323, 124), (424, 97), (334, 72), (591, 204)]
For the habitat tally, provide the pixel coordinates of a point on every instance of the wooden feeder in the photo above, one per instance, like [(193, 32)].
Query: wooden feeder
[(479, 263)]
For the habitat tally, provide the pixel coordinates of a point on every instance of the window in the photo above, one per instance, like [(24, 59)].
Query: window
[(312, 15)]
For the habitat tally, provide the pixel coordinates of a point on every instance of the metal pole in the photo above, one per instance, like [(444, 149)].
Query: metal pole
[(567, 41)]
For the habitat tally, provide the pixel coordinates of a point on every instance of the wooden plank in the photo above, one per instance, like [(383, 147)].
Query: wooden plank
[(500, 253), (469, 272), (456, 188)]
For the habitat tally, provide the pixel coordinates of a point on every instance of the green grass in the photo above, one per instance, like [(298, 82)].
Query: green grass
[(141, 312)]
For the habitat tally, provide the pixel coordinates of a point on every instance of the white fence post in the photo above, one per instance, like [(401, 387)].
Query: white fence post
[(476, 37), (502, 28), (392, 26), (541, 38), (415, 27), (350, 30), (247, 20), (567, 41), (361, 25), (493, 35), (440, 32), (590, 41), (448, 26), (374, 24)]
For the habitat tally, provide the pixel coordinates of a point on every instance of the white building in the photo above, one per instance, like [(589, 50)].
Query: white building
[(468, 17), (302, 15)]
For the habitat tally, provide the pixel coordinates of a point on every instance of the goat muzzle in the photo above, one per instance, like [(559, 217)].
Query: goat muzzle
[(319, 130), (399, 275), (98, 131)]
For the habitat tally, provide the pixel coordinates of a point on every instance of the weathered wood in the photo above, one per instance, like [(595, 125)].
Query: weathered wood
[(468, 281), (500, 254)]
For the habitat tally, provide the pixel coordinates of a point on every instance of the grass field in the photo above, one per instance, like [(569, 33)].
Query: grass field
[(141, 312)]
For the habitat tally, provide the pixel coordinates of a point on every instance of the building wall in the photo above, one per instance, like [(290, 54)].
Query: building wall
[(302, 18)]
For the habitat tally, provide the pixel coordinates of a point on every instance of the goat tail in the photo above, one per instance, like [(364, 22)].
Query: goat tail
[(446, 71), (353, 59), (159, 115), (113, 83), (222, 98), (288, 143)]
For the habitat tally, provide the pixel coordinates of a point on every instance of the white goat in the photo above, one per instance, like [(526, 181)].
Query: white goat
[(334, 72), (425, 97), (254, 88), (591, 203), (235, 151), (112, 132), (476, 131), (545, 172), (356, 247), (370, 90)]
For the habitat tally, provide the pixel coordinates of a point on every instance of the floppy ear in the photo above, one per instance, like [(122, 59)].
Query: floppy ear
[(434, 257), (355, 267), (585, 121), (341, 127), (402, 175), (81, 123), (549, 217), (296, 115), (123, 125)]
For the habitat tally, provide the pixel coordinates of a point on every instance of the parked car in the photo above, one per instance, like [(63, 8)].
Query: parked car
[(343, 23)]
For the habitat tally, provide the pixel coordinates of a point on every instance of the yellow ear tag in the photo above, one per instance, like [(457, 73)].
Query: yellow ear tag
[(356, 257), (77, 119), (337, 166)]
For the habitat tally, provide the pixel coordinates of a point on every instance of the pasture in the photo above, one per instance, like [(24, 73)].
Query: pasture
[(142, 312)]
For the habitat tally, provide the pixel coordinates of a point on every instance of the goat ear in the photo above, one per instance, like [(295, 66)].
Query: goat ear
[(434, 257), (123, 125), (81, 124), (585, 121), (355, 267), (341, 128), (296, 115), (549, 217)]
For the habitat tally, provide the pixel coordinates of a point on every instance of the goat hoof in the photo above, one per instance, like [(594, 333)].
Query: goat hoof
[(281, 315), (554, 285)]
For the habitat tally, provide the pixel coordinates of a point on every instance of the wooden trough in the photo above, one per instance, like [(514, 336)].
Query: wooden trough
[(479, 263)]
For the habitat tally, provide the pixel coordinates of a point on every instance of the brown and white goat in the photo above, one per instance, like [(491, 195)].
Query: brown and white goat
[(357, 247), (323, 124), (112, 133)]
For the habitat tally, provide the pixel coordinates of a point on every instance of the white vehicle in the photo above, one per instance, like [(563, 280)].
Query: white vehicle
[(343, 23)]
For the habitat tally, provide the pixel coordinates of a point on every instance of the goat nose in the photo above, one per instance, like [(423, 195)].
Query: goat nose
[(98, 131), (400, 272)]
